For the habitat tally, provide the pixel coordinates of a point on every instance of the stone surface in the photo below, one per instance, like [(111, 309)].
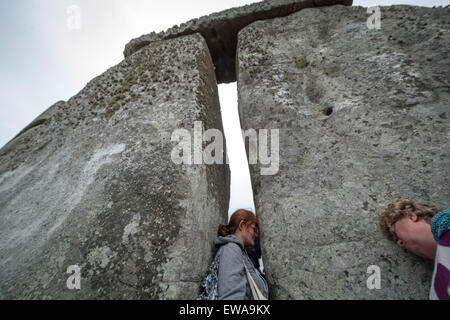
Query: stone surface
[(91, 183), (363, 118), (220, 30)]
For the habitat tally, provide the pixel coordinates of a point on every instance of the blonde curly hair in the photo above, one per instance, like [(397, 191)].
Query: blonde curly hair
[(398, 208)]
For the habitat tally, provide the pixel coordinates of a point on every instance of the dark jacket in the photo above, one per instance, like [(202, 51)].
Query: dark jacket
[(255, 253), (233, 282)]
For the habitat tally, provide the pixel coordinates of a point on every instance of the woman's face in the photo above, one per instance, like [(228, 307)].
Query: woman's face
[(415, 235), (250, 234)]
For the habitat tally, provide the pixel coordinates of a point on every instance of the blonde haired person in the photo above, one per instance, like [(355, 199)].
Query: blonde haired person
[(423, 230)]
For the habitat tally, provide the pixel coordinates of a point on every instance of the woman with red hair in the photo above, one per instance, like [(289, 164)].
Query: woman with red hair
[(238, 279)]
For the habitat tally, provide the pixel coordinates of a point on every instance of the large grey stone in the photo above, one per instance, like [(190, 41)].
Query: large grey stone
[(363, 118), (91, 183), (220, 30)]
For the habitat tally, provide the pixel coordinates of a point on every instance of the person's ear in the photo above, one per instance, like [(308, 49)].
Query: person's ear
[(413, 216), (241, 225)]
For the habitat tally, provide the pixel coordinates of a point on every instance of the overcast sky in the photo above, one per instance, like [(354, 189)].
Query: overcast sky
[(43, 61)]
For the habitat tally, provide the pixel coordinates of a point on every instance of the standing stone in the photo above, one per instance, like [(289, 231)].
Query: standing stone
[(363, 118), (91, 183)]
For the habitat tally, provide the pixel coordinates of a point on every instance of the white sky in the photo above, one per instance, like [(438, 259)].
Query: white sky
[(42, 61)]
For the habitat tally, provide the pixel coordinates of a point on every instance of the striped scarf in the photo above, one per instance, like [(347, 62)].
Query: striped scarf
[(440, 223)]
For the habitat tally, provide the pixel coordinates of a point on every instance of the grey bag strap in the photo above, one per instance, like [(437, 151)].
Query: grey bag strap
[(257, 295)]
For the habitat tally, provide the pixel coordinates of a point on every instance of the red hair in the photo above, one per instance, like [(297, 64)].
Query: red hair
[(239, 215)]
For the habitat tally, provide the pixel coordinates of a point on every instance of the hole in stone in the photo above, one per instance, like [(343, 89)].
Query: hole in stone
[(327, 111), (241, 193)]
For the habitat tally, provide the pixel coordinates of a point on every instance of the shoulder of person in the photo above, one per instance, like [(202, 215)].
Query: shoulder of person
[(232, 251), (232, 247)]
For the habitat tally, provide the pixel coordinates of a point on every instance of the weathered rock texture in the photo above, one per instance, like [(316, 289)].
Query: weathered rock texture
[(363, 118), (91, 183), (220, 30)]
